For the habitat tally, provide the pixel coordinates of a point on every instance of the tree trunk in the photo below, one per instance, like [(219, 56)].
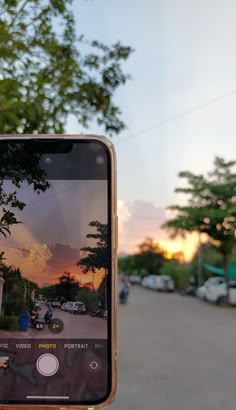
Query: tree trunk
[(226, 273)]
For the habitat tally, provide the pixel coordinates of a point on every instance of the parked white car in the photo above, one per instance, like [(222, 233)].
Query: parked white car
[(216, 293), (67, 306), (215, 280), (161, 283), (165, 283), (74, 307), (78, 308), (152, 282), (135, 280), (144, 282)]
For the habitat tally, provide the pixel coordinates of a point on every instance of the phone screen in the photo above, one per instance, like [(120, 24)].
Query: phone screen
[(55, 271)]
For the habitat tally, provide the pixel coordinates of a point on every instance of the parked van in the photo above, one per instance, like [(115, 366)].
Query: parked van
[(159, 282)]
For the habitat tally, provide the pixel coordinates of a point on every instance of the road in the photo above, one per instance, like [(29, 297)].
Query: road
[(74, 326), (175, 353)]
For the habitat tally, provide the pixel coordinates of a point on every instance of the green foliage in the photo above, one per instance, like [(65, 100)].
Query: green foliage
[(17, 291), (179, 272), (21, 166), (8, 219), (149, 259), (209, 255), (97, 256), (89, 298), (126, 264), (211, 207), (9, 323), (66, 289), (48, 72)]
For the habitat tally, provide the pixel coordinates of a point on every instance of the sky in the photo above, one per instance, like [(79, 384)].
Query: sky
[(52, 231), (179, 107)]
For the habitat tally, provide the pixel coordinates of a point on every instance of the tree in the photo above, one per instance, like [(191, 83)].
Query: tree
[(126, 264), (88, 297), (211, 208), (17, 291), (20, 166), (150, 257), (97, 256), (209, 255), (179, 272), (67, 287), (48, 72)]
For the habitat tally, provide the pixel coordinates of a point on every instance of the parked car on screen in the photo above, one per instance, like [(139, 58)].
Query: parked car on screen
[(216, 293), (56, 305), (67, 306), (78, 308)]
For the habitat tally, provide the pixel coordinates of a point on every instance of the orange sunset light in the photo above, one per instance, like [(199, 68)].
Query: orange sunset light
[(182, 249)]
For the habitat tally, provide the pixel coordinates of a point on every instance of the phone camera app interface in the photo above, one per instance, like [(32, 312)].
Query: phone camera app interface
[(54, 273)]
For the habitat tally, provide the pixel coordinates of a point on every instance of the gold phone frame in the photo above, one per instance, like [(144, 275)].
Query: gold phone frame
[(114, 246)]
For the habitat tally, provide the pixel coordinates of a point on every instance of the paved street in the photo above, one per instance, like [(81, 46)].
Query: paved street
[(75, 326), (175, 353)]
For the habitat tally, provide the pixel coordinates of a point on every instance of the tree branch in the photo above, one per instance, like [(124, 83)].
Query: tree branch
[(18, 14)]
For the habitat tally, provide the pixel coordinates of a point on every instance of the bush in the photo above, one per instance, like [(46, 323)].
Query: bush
[(9, 322), (89, 298), (179, 272)]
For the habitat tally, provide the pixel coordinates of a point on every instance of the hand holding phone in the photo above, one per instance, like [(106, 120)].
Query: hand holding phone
[(57, 271)]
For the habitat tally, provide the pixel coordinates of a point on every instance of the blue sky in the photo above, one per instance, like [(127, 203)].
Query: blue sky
[(183, 66)]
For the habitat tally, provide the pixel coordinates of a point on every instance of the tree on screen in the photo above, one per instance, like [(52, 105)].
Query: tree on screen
[(97, 256), (17, 291), (67, 287), (17, 167), (211, 208), (48, 71)]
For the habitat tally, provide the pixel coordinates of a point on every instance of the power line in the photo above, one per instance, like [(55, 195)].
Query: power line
[(55, 193), (191, 110)]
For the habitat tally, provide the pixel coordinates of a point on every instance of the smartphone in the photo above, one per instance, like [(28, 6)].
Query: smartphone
[(58, 246)]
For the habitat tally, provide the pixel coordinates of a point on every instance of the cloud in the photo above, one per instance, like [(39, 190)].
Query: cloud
[(63, 255), (38, 253), (123, 215), (140, 219)]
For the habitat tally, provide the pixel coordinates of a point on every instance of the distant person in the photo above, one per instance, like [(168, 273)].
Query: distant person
[(124, 293)]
